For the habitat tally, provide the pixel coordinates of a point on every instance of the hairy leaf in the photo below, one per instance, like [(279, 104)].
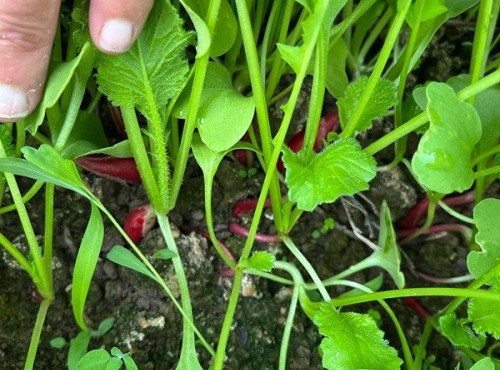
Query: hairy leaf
[(460, 335), (153, 70), (353, 341), (343, 168), (86, 261), (383, 97), (442, 162), (261, 261), (487, 221), (485, 313)]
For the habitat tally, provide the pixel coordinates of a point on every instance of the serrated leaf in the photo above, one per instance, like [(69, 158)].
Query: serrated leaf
[(353, 341), (485, 313), (123, 257), (442, 161), (95, 359), (224, 114), (86, 261), (261, 261), (460, 335), (153, 70), (383, 97), (342, 168), (487, 221)]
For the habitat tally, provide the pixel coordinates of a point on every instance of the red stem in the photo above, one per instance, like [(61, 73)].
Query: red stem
[(237, 229), (415, 305), (434, 229)]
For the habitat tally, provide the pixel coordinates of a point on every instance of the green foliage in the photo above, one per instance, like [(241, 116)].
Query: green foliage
[(342, 168), (123, 257), (353, 341), (442, 162), (488, 237), (261, 261), (459, 333), (485, 313), (100, 359), (164, 254), (58, 342), (224, 114), (153, 71), (78, 348), (6, 140), (484, 364), (431, 9), (383, 97), (86, 137)]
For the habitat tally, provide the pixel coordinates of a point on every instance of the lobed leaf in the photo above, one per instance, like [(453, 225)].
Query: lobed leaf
[(460, 335), (485, 313), (261, 261), (153, 70), (353, 341), (442, 162), (488, 237), (343, 168), (86, 261), (383, 97)]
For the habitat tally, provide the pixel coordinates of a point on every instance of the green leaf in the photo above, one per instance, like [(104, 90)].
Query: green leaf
[(336, 75), (460, 335), (342, 168), (202, 32), (431, 9), (154, 68), (96, 359), (485, 313), (6, 139), (225, 29), (353, 341), (484, 364), (57, 81), (224, 115), (123, 257), (374, 285), (114, 364), (383, 97), (119, 150), (77, 349), (442, 161), (58, 342), (86, 261), (164, 254), (261, 261), (105, 326), (487, 221), (87, 135), (116, 352), (129, 363)]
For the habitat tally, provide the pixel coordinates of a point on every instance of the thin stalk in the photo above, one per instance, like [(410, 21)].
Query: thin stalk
[(431, 211), (297, 280), (18, 256), (200, 67), (259, 96), (48, 237), (44, 285), (455, 214), (20, 138), (376, 74), (486, 154), (37, 331), (264, 47), (489, 171), (419, 356), (307, 265), (373, 35), (93, 104), (188, 338), (25, 198)]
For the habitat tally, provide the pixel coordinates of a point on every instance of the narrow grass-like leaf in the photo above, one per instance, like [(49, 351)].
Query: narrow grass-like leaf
[(487, 221), (343, 168), (353, 341), (86, 261), (383, 97), (123, 257), (442, 162)]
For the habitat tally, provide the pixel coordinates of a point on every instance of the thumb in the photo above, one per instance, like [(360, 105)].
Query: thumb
[(27, 29)]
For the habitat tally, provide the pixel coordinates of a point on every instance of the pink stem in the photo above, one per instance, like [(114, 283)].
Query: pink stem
[(237, 229), (436, 229), (247, 205), (415, 305)]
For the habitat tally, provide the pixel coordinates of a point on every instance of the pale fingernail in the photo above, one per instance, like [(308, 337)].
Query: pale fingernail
[(14, 103), (116, 35)]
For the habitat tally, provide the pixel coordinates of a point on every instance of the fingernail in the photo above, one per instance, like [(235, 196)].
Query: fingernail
[(13, 103), (116, 35)]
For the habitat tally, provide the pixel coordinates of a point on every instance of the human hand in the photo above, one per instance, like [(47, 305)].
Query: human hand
[(27, 29)]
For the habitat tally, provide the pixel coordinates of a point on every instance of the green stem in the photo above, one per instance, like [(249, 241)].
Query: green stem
[(489, 171), (375, 76), (308, 267), (431, 211), (297, 280), (455, 214), (48, 238), (261, 106), (418, 292), (423, 343), (93, 104), (18, 256), (485, 155), (200, 67), (20, 138), (45, 284), (26, 197), (37, 331), (188, 338), (373, 35)]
